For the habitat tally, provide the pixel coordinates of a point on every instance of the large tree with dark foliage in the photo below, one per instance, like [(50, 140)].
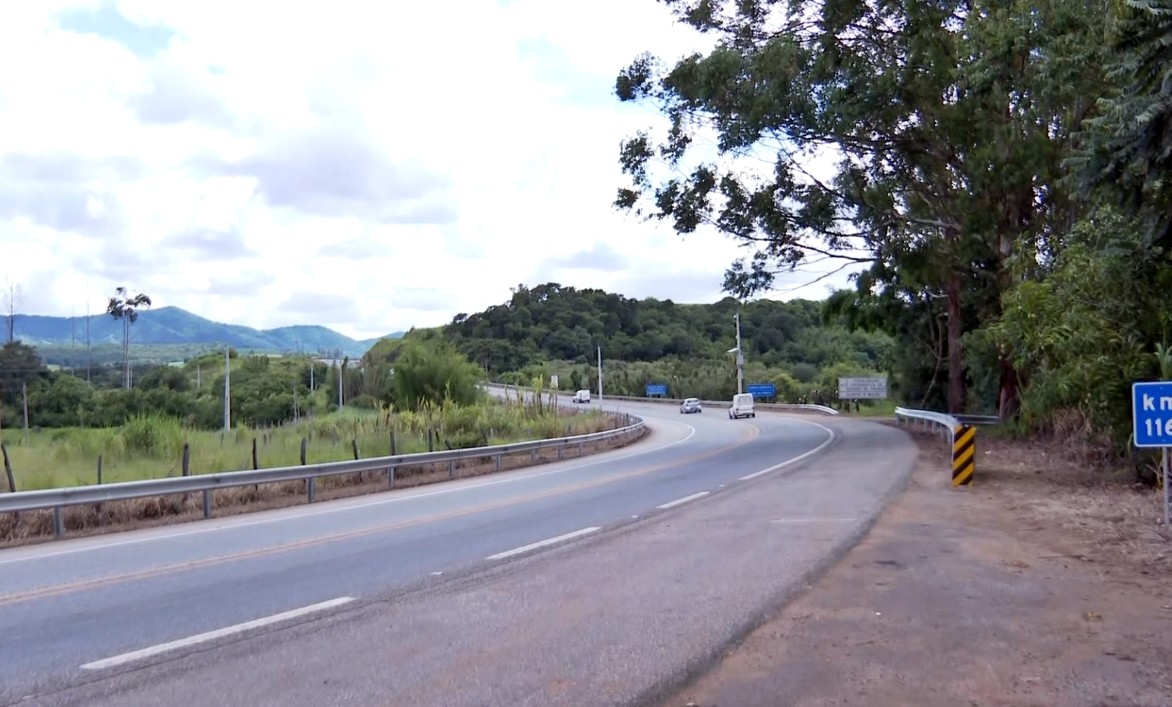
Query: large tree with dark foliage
[(940, 128)]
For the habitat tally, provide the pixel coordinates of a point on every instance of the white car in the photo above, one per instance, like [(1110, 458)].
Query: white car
[(582, 396), (742, 406), (690, 405)]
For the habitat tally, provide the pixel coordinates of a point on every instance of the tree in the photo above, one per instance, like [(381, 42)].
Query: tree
[(19, 366), (124, 307), (942, 127), (433, 372), (1128, 155), (13, 298)]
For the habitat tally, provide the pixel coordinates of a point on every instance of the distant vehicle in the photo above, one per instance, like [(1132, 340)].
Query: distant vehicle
[(582, 396), (690, 405), (742, 406)]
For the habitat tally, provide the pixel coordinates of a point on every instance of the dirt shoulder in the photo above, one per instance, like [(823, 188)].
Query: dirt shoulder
[(1036, 585)]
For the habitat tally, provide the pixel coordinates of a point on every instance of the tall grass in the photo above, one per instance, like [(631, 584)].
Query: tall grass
[(151, 446)]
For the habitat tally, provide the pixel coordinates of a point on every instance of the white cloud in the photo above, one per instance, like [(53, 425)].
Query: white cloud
[(367, 167)]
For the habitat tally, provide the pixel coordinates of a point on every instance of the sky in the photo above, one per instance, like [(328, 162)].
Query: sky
[(360, 168)]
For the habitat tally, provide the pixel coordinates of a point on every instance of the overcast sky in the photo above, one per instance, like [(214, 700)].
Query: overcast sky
[(345, 164)]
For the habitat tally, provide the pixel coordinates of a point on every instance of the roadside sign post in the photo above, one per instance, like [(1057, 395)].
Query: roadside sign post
[(1151, 415), (1167, 491)]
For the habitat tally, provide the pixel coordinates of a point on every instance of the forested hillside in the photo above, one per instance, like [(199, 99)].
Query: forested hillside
[(554, 329)]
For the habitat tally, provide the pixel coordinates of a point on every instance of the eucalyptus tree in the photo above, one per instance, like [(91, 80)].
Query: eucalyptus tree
[(124, 307), (920, 139)]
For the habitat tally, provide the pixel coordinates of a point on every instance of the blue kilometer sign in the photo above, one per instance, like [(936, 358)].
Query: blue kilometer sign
[(1151, 410)]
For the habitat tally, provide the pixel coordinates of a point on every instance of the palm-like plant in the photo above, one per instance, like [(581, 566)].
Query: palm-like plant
[(124, 307)]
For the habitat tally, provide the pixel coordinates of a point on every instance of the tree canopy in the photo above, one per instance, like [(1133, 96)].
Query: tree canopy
[(966, 155)]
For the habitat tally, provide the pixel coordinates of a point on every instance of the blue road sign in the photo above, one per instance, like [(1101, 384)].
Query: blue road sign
[(1151, 413), (761, 390), (656, 389)]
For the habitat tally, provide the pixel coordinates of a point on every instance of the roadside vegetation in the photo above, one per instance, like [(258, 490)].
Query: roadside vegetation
[(283, 413), (170, 421)]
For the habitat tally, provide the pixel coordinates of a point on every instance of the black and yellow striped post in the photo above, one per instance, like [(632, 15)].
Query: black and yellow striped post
[(964, 454)]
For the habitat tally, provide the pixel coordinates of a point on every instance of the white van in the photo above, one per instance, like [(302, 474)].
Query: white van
[(742, 406), (582, 396)]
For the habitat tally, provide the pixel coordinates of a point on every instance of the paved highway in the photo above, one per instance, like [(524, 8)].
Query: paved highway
[(592, 581)]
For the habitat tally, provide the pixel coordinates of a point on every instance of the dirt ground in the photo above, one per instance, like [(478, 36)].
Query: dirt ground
[(1036, 585)]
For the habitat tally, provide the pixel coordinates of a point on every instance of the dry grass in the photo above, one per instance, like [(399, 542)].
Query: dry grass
[(1089, 510), (177, 508)]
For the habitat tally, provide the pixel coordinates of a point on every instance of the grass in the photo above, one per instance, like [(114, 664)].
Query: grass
[(873, 408), (151, 447)]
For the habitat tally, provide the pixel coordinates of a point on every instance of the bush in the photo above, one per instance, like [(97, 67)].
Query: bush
[(364, 402)]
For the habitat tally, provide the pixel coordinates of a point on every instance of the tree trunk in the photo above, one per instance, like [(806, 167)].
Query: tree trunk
[(956, 386), (1008, 403)]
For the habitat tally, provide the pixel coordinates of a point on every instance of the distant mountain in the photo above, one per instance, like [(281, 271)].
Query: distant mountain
[(172, 326)]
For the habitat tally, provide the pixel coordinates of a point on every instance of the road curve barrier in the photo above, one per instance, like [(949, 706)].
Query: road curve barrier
[(961, 433), (59, 498), (777, 407)]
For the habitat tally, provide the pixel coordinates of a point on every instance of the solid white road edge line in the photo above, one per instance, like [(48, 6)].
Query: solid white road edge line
[(233, 523), (685, 499), (832, 435), (543, 543), (212, 635)]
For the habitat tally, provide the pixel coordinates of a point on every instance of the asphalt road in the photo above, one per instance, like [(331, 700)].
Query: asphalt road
[(452, 593)]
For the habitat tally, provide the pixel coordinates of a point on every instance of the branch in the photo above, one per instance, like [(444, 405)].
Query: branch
[(816, 280)]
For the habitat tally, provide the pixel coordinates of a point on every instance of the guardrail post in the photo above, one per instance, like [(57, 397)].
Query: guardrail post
[(58, 522), (559, 452), (207, 503), (390, 477), (311, 487), (498, 461), (451, 468), (964, 454), (581, 448)]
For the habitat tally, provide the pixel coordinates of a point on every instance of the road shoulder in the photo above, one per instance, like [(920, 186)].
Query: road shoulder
[(1030, 587)]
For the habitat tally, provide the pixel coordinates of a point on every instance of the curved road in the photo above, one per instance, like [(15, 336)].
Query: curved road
[(596, 581)]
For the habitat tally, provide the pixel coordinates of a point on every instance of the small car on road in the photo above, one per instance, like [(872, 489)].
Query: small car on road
[(690, 405), (742, 406)]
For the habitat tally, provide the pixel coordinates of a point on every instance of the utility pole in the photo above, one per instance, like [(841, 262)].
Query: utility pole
[(341, 372), (87, 338), (24, 394), (740, 357), (600, 374), (227, 388)]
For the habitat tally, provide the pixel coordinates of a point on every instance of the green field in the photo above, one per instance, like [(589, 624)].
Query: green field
[(151, 447)]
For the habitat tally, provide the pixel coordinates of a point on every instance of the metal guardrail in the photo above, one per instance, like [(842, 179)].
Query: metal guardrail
[(978, 419), (947, 424), (59, 498), (962, 437), (676, 401)]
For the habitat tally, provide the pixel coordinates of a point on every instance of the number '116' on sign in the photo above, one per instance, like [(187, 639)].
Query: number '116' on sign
[(1153, 427)]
